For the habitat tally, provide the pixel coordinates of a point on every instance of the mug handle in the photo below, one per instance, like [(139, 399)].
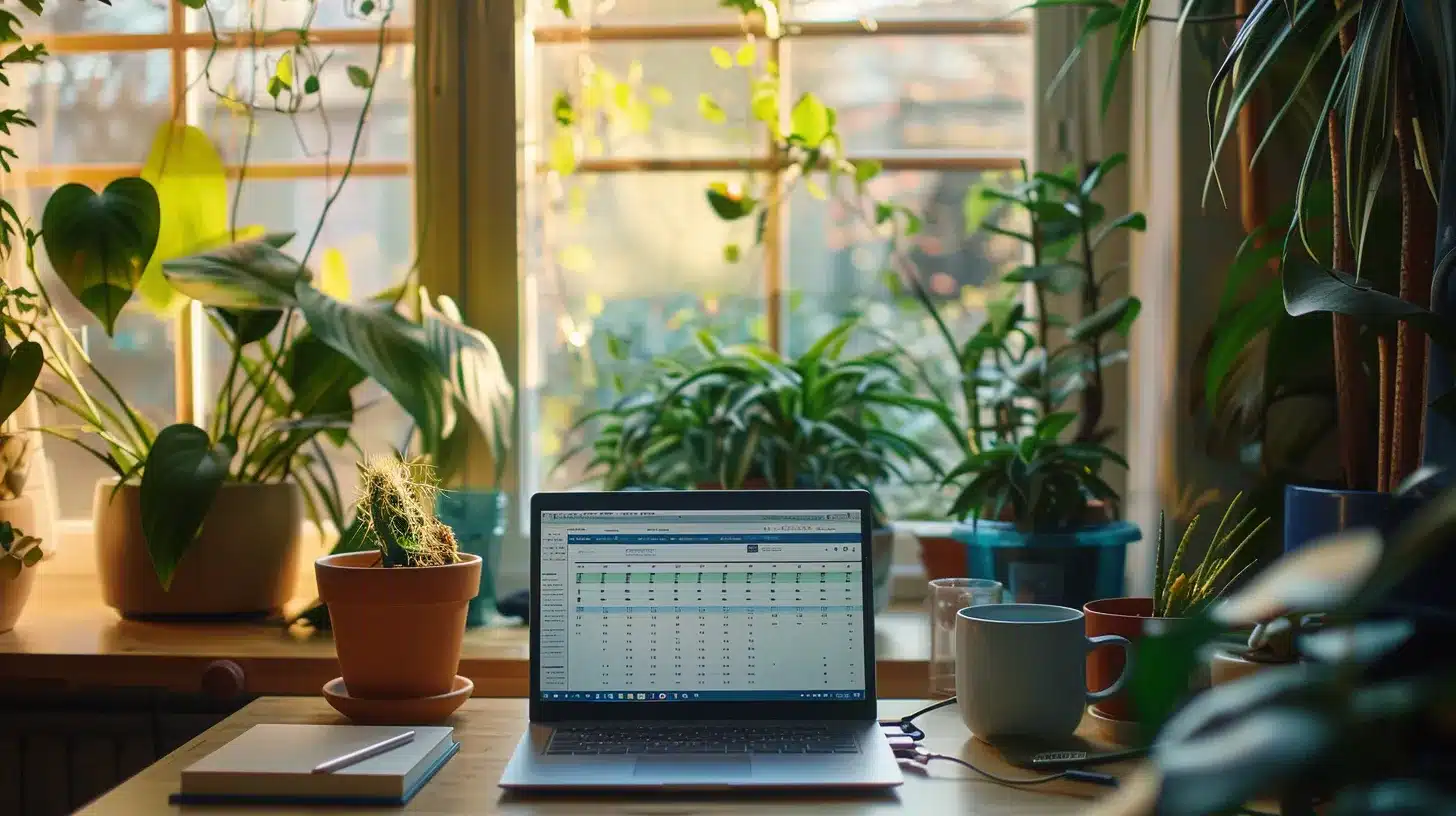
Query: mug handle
[(1126, 646)]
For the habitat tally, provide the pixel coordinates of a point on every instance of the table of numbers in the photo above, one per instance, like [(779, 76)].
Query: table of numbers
[(712, 626)]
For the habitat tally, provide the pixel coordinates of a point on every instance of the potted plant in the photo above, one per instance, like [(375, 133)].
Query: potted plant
[(1360, 724), (1044, 521), (398, 605), (1178, 592), (1373, 110), (737, 417), (205, 520), (19, 553)]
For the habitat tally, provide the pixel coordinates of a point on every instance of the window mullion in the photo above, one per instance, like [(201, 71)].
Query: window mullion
[(773, 233), (187, 363)]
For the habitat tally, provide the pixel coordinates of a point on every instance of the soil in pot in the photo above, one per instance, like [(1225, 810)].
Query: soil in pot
[(243, 563), (397, 630)]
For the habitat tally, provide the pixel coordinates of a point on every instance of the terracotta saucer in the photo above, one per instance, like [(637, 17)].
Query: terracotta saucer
[(419, 711)]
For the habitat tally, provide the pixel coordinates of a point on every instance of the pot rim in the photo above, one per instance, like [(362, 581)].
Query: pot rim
[(326, 561), (1089, 611), (110, 481), (1333, 491)]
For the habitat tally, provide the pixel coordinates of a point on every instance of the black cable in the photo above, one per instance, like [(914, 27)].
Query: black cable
[(909, 719), (922, 756)]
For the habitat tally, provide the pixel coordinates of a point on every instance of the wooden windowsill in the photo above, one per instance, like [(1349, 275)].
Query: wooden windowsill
[(68, 639)]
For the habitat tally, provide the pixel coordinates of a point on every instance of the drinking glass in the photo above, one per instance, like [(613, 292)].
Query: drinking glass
[(947, 597)]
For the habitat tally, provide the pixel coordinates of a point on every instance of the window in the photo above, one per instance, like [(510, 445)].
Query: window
[(118, 72), (620, 240)]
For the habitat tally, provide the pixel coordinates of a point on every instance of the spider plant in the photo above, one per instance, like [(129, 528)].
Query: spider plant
[(743, 414)]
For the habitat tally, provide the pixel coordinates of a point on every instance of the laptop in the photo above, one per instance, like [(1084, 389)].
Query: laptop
[(701, 640)]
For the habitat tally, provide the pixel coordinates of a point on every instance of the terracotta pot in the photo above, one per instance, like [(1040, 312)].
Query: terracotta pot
[(942, 557), (1128, 617), (243, 563), (397, 630)]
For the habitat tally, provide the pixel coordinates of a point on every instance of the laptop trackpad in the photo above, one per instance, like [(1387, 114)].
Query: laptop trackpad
[(692, 769)]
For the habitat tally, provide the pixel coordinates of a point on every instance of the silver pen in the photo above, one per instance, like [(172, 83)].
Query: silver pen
[(364, 753)]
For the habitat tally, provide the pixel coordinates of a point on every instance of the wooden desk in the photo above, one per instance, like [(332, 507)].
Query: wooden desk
[(68, 639), (488, 731)]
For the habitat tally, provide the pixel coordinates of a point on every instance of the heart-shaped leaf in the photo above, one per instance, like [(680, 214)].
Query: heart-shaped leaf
[(246, 275), (18, 374), (183, 474), (99, 244), (390, 349)]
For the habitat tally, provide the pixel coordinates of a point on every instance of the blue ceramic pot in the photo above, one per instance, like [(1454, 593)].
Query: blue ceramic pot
[(478, 520), (1315, 512), (1065, 569)]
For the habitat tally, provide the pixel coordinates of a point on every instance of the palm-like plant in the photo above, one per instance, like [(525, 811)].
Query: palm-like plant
[(1381, 77)]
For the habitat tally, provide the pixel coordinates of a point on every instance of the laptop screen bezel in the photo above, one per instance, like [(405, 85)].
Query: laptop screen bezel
[(675, 500)]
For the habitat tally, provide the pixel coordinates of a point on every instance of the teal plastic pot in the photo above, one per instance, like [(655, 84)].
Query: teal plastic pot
[(1064, 569), (478, 520)]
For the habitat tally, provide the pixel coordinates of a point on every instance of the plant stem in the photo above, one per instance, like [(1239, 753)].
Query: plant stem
[(1092, 394), (1351, 384), (1417, 254), (222, 413), (1043, 319), (143, 437), (358, 136)]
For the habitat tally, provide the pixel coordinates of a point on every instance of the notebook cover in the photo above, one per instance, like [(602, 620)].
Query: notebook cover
[(358, 801)]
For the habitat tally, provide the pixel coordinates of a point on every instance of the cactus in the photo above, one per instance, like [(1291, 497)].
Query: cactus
[(397, 506), (17, 550)]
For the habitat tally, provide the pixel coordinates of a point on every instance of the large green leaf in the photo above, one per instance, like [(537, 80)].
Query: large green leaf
[(474, 373), (99, 244), (247, 275), (18, 374), (321, 380), (390, 349), (1308, 289), (1115, 316), (187, 172), (183, 473)]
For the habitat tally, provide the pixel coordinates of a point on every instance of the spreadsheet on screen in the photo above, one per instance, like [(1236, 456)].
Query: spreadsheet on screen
[(701, 606)]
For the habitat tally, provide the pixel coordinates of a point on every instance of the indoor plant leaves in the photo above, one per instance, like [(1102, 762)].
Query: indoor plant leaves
[(1309, 288), (246, 275), (99, 244), (183, 473), (390, 349), (18, 374)]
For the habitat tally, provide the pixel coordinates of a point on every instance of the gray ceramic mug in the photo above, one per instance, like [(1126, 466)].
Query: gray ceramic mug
[(1021, 670)]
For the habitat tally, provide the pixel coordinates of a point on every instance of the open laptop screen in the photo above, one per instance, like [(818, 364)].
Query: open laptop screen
[(701, 606)]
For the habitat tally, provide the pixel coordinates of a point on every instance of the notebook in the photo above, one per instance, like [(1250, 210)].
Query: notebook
[(273, 764)]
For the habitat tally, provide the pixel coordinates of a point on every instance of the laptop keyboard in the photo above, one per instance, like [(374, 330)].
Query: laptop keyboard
[(579, 740)]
